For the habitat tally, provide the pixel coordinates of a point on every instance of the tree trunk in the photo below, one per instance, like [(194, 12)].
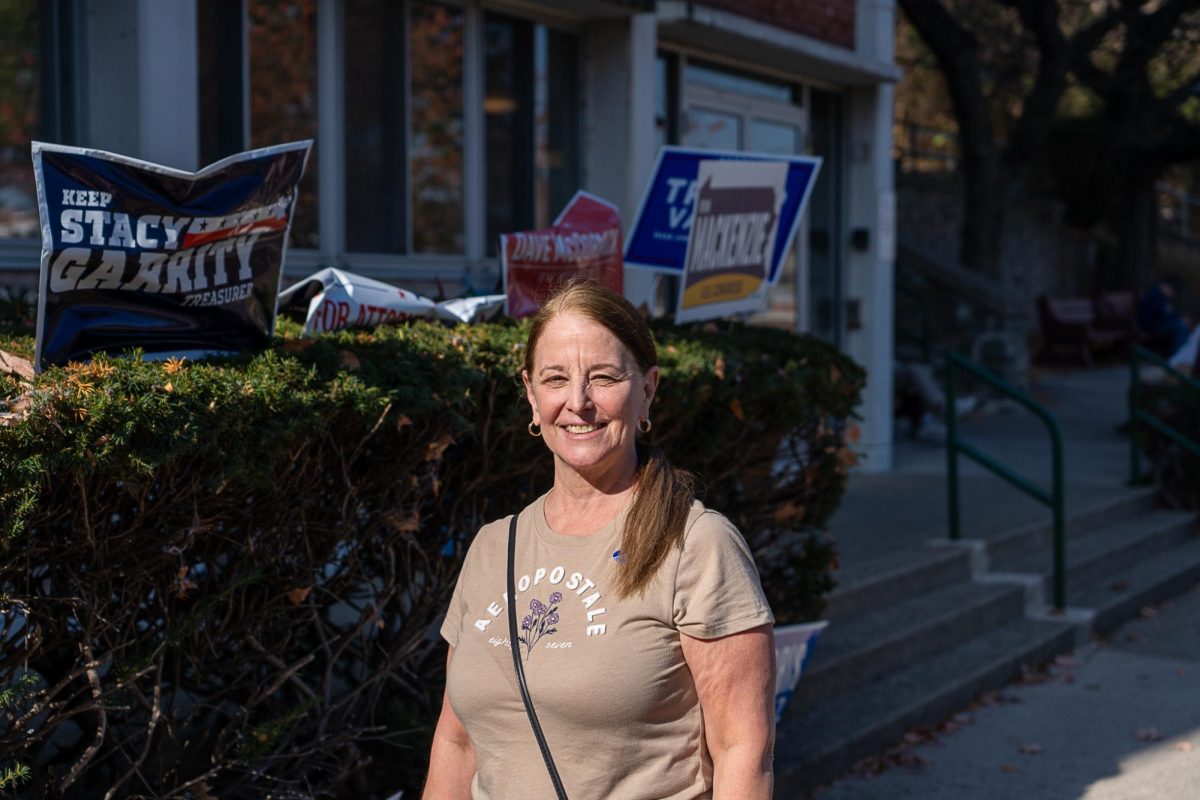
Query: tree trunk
[(1135, 222), (984, 196)]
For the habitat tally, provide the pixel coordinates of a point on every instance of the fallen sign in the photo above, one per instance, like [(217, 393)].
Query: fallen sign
[(139, 255), (333, 300)]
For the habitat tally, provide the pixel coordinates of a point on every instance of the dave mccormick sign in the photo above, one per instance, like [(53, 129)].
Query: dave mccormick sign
[(140, 255)]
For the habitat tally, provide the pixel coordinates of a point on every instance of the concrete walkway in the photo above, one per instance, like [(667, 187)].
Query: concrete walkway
[(895, 512), (1118, 721)]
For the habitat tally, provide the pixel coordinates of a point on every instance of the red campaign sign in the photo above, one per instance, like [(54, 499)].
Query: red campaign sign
[(585, 240)]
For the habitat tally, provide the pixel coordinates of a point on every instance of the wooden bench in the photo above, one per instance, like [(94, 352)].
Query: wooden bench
[(1071, 324)]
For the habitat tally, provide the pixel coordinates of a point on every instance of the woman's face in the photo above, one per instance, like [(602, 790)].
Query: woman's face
[(587, 394)]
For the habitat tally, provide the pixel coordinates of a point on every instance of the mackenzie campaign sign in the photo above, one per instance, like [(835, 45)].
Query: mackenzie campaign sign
[(140, 255), (585, 240), (732, 237), (658, 239)]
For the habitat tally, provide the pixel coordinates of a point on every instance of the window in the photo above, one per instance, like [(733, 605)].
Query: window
[(399, 180), (37, 101), (404, 149), (532, 128), (18, 118), (283, 92)]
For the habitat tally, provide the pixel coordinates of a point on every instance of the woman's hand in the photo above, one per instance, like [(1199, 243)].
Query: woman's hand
[(452, 758), (735, 679)]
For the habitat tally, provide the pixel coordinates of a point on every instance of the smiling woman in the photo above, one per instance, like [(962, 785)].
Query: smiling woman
[(646, 639)]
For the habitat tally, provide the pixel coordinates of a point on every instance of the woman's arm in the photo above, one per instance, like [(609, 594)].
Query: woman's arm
[(452, 758), (735, 679)]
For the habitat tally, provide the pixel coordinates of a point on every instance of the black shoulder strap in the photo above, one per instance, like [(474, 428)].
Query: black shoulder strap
[(519, 666)]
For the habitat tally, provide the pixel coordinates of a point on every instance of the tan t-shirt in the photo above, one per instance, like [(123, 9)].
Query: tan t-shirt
[(613, 694)]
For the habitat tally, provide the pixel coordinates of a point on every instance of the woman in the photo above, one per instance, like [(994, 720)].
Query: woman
[(644, 634)]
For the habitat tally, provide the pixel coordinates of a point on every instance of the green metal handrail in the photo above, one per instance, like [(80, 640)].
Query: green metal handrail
[(1054, 498), (920, 337), (1137, 416)]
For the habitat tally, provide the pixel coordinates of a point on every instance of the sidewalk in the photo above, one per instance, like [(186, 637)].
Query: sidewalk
[(1118, 721), (1089, 406)]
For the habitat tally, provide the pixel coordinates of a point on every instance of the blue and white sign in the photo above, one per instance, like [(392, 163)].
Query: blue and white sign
[(658, 239), (793, 646)]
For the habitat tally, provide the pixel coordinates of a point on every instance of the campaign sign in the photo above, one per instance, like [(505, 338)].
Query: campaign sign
[(732, 237), (585, 240), (793, 646), (136, 254), (659, 236)]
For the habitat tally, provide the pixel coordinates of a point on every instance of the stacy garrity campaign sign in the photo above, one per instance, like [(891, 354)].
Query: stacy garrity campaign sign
[(136, 254)]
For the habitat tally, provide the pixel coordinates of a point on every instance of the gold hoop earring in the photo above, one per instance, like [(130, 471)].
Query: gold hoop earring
[(644, 425), (534, 429)]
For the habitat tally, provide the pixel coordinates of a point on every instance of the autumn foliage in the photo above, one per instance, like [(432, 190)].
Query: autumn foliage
[(224, 578)]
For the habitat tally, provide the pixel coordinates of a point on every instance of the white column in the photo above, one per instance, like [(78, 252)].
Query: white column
[(869, 273), (620, 138), (168, 118)]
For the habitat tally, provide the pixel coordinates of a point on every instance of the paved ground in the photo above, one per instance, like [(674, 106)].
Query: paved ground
[(1120, 720), (1090, 405)]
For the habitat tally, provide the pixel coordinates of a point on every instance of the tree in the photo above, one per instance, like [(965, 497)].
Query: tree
[(1119, 62), (992, 163), (1147, 77)]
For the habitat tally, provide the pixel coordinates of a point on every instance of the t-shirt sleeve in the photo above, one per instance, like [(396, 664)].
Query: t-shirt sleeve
[(717, 590), (452, 625)]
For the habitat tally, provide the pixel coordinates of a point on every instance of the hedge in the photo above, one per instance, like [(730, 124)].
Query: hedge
[(224, 578), (1174, 470)]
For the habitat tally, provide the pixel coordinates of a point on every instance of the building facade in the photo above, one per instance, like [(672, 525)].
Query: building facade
[(440, 125)]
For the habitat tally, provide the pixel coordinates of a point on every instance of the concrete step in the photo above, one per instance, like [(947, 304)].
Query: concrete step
[(823, 739), (857, 650), (1037, 538), (895, 577), (1121, 594), (1108, 549)]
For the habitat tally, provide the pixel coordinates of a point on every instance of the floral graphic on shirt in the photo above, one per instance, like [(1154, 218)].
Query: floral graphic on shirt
[(540, 622)]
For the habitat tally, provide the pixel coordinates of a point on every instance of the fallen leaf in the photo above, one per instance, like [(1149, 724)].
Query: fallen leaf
[(435, 449), (1148, 612), (790, 510), (297, 345), (401, 524), (1030, 749), (1183, 747), (299, 594), (15, 365), (1148, 735), (349, 360), (1009, 768), (735, 406)]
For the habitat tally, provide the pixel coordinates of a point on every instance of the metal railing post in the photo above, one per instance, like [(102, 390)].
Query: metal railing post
[(1060, 528), (952, 446), (1055, 498), (1135, 456)]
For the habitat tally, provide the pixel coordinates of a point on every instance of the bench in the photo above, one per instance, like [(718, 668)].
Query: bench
[(1073, 324)]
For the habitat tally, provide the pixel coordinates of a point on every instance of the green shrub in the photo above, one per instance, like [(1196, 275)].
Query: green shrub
[(226, 576), (1174, 469)]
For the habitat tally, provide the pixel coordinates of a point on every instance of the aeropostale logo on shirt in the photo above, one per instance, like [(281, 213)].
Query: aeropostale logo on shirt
[(548, 615)]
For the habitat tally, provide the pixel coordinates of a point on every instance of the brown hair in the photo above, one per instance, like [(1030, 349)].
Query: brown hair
[(664, 494)]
